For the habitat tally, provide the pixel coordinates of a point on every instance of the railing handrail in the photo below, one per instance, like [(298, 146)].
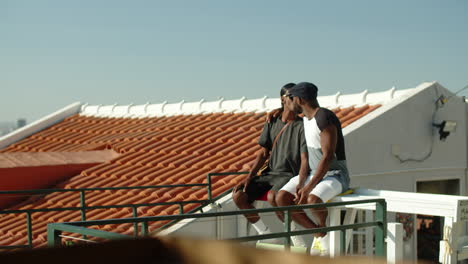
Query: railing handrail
[(226, 213), (54, 229), (60, 209), (83, 208), (43, 191)]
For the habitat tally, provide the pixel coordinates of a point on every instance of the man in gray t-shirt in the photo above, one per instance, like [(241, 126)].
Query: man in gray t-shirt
[(285, 159)]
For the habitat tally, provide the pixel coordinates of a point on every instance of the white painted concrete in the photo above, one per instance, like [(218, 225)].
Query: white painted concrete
[(394, 242), (216, 227), (407, 123), (242, 104)]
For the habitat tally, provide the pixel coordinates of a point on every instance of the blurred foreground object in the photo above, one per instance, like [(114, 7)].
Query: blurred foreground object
[(169, 250)]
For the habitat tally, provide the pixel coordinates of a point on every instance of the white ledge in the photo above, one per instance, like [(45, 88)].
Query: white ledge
[(240, 105)]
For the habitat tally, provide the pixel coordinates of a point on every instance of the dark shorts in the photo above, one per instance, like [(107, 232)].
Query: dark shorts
[(261, 184)]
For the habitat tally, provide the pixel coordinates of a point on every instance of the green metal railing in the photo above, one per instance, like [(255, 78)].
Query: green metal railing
[(54, 230), (83, 208)]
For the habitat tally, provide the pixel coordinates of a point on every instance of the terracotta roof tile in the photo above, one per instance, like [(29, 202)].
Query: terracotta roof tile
[(103, 169), (152, 159), (64, 216), (344, 111), (359, 115), (211, 148), (238, 149)]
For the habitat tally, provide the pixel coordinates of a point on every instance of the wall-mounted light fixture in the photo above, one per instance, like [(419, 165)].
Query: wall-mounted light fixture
[(445, 128)]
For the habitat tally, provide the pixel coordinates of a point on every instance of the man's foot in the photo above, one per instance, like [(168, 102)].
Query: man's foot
[(267, 231), (276, 241), (297, 241), (320, 246)]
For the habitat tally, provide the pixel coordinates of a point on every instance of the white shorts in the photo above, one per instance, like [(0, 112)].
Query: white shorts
[(326, 189)]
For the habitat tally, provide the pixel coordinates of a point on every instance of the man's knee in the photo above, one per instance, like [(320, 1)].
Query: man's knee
[(313, 199), (284, 198), (271, 197), (240, 197)]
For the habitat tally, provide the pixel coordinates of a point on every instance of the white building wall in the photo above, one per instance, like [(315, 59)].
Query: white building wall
[(406, 128), (213, 227), (466, 146)]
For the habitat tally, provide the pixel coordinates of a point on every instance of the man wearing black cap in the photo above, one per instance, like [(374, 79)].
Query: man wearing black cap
[(327, 161)]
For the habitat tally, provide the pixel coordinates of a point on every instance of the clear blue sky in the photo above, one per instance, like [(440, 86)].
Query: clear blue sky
[(53, 53)]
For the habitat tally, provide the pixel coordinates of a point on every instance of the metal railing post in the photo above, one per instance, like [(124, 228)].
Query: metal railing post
[(135, 225), (287, 228), (210, 196), (29, 225), (144, 229), (381, 217), (181, 209), (53, 236), (343, 242), (83, 205)]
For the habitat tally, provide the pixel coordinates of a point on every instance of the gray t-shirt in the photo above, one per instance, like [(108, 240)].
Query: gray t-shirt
[(285, 159), (313, 127)]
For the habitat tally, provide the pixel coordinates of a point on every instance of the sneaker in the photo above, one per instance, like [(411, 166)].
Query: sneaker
[(316, 247), (276, 241), (297, 241), (320, 246), (269, 240), (325, 245)]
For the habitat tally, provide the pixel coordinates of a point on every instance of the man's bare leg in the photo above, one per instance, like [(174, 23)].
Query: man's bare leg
[(241, 200), (272, 201), (284, 198), (320, 213)]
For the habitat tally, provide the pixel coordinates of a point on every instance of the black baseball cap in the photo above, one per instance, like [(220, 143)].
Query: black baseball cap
[(305, 90)]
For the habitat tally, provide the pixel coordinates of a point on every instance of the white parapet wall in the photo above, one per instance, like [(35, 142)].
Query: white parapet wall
[(215, 227), (454, 209), (39, 125)]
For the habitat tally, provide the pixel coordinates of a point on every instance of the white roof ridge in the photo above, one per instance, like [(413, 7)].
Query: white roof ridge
[(240, 105)]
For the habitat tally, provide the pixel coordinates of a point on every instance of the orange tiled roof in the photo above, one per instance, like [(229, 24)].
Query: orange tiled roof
[(154, 151)]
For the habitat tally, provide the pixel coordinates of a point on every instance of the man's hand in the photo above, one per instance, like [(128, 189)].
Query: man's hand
[(299, 186), (273, 114), (302, 195), (242, 186)]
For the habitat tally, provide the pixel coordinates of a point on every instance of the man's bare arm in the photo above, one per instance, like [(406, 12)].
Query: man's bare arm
[(273, 114), (303, 172), (262, 156)]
